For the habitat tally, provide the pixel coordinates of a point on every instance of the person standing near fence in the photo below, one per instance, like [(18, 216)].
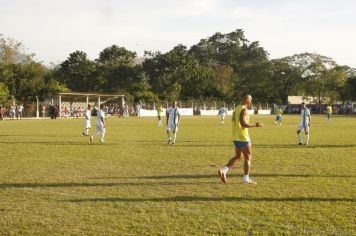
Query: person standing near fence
[(87, 116), (172, 122), (159, 115), (20, 109)]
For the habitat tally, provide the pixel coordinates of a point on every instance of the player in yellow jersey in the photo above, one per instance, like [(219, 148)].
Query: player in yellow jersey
[(241, 139), (278, 116), (329, 111)]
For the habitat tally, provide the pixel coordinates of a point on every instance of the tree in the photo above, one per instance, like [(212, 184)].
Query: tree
[(13, 51), (324, 82), (178, 75), (79, 73), (4, 93), (114, 56)]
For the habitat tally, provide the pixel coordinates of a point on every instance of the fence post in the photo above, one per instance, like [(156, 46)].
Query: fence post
[(60, 106), (37, 109)]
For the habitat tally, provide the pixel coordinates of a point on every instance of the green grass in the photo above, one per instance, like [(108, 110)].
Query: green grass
[(52, 182)]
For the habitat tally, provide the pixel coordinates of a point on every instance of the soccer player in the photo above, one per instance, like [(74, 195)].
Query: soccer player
[(100, 125), (222, 113), (87, 116), (159, 114), (241, 139), (279, 116), (20, 109), (304, 125), (329, 111), (172, 123)]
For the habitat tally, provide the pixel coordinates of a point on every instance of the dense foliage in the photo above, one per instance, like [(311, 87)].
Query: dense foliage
[(220, 67)]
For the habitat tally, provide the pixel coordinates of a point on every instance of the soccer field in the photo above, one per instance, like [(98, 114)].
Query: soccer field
[(52, 181)]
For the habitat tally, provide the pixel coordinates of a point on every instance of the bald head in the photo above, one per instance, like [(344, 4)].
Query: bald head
[(246, 99)]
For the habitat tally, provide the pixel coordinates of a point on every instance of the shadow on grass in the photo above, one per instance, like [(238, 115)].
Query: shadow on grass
[(215, 199), (310, 146), (79, 185), (233, 175)]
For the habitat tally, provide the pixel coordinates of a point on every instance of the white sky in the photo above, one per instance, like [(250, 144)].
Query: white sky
[(54, 28)]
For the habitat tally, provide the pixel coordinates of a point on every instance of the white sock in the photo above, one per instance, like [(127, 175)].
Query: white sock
[(307, 141), (169, 136), (225, 169), (246, 178), (174, 137), (299, 138)]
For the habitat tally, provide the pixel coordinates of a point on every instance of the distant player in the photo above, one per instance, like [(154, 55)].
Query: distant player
[(329, 112), (20, 109), (159, 115), (172, 123), (222, 113), (100, 125), (241, 139), (87, 116), (304, 124), (279, 112)]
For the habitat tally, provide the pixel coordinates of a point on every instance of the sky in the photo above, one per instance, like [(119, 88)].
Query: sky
[(52, 29)]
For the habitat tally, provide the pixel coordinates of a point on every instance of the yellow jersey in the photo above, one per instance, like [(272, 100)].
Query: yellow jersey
[(328, 109), (239, 133), (279, 112)]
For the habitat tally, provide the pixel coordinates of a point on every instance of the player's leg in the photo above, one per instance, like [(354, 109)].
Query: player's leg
[(299, 136), (169, 139), (95, 133), (102, 134), (307, 135), (175, 130), (232, 162), (247, 153)]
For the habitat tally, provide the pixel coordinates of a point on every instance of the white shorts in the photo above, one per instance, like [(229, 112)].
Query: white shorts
[(100, 129), (172, 127), (306, 128), (87, 124), (222, 117)]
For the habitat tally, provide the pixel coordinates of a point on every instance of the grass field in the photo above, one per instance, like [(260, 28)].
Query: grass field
[(53, 182)]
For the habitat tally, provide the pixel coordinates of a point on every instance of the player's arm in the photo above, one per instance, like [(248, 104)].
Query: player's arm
[(178, 119), (167, 117), (103, 120), (244, 123)]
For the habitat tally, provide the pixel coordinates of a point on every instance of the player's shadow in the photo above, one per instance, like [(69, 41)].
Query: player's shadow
[(267, 175), (59, 143), (302, 146), (87, 184), (215, 199)]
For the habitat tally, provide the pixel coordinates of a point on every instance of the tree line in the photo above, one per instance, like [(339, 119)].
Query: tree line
[(220, 67)]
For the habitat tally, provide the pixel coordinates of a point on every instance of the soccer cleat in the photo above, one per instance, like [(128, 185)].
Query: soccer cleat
[(300, 144), (91, 139), (222, 176), (102, 141), (249, 181)]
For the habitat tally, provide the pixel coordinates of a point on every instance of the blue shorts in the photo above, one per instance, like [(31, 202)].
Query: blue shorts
[(240, 144), (278, 118)]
